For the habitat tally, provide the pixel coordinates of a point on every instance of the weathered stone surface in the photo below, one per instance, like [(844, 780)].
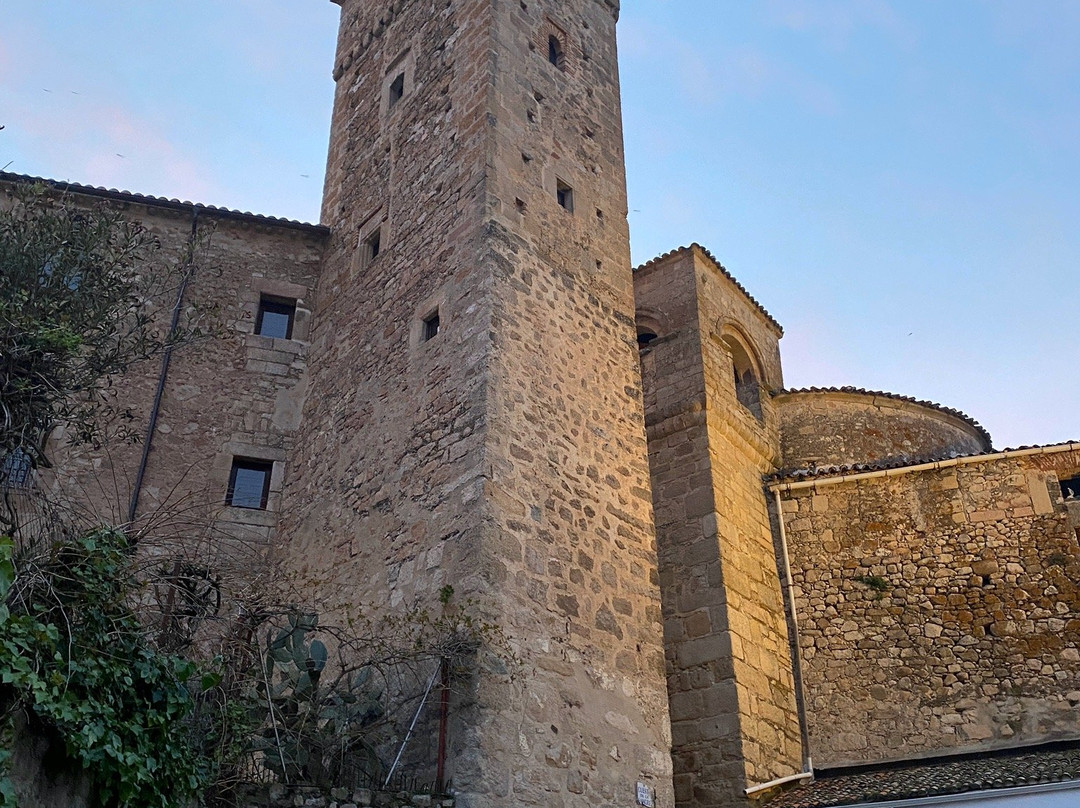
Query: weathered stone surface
[(846, 426), (730, 680), (954, 628)]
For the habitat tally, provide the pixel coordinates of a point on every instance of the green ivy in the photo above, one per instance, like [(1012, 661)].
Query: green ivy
[(74, 654)]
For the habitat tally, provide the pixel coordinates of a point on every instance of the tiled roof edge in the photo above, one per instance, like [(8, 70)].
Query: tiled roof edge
[(812, 472), (897, 397), (162, 202), (895, 783), (723, 271)]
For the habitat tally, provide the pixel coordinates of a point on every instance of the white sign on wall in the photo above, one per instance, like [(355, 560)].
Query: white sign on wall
[(645, 796)]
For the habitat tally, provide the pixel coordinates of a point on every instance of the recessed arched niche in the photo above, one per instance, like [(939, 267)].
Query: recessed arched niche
[(747, 376), (649, 329)]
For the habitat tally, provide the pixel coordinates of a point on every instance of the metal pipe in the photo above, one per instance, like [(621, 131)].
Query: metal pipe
[(163, 376), (796, 650), (444, 716), (779, 781), (412, 726)]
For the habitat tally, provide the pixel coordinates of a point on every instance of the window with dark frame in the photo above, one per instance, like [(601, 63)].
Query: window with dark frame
[(397, 90), (373, 245), (565, 195), (276, 316), (431, 326), (249, 483), (1070, 489), (16, 470)]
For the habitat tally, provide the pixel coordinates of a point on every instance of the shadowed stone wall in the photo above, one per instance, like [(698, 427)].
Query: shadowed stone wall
[(841, 427)]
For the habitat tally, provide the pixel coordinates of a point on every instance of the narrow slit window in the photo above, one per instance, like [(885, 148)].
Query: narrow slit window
[(556, 54), (372, 245), (397, 90), (565, 195), (276, 317), (431, 326), (249, 483)]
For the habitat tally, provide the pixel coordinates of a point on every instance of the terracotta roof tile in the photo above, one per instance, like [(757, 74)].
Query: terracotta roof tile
[(904, 461), (723, 271), (162, 202), (1053, 763)]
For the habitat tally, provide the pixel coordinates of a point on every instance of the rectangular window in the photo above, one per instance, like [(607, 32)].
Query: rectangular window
[(15, 470), (1070, 489), (431, 326), (249, 483), (565, 195), (397, 91), (275, 317)]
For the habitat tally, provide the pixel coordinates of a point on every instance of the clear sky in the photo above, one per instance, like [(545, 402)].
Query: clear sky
[(897, 182)]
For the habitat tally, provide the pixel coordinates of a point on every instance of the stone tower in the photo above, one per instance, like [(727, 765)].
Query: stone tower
[(710, 358), (475, 414)]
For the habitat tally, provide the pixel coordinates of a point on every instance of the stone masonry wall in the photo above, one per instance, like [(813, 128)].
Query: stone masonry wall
[(827, 428), (729, 671), (939, 611), (572, 541), (231, 393), (383, 500), (505, 455)]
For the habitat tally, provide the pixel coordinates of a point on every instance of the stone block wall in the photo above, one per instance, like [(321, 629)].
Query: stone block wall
[(289, 796), (939, 610), (729, 672), (504, 455)]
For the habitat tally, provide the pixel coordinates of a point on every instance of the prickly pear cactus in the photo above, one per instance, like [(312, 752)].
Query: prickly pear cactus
[(316, 732)]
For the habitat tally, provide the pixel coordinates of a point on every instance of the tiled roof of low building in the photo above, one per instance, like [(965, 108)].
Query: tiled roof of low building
[(903, 461), (896, 397), (723, 271), (162, 202), (962, 774)]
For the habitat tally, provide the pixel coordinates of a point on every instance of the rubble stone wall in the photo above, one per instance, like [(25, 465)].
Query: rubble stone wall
[(826, 428), (227, 393), (504, 456), (939, 611)]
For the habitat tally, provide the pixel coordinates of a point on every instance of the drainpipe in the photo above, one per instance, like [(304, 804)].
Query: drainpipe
[(163, 376), (796, 663)]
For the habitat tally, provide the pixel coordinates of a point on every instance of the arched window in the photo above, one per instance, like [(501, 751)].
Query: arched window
[(556, 54), (645, 337), (649, 328), (747, 385)]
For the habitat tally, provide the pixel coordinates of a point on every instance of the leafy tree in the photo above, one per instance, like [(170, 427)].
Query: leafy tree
[(79, 304), (81, 300)]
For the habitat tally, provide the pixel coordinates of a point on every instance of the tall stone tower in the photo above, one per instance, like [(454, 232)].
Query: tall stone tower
[(710, 358), (475, 414)]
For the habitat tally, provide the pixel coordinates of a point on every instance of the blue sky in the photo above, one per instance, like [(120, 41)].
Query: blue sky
[(895, 181)]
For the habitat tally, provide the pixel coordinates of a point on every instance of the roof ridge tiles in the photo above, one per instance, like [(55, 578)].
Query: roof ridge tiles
[(723, 270), (850, 389), (160, 201)]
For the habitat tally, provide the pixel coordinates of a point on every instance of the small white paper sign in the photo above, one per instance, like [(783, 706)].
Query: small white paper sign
[(645, 796)]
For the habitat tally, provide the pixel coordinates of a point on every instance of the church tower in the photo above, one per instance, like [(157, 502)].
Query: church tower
[(475, 415)]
